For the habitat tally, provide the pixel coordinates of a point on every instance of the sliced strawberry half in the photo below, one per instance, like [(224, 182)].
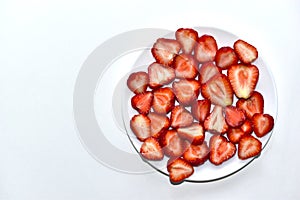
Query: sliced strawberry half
[(197, 154), (234, 116), (254, 104), (185, 66), (262, 124), (247, 127), (207, 71), (179, 170), (243, 79), (245, 51), (142, 102), (225, 57), (164, 51), (181, 117), (172, 144), (194, 133), (163, 100), (218, 90), (159, 124), (160, 75), (140, 126), (215, 122), (186, 91), (138, 82), (200, 109), (206, 48), (249, 147), (235, 134), (220, 149), (187, 38), (151, 149)]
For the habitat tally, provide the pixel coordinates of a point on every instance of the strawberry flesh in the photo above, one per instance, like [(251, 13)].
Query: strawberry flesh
[(186, 91), (243, 79), (254, 104), (180, 117), (234, 116), (262, 124), (206, 48), (245, 51), (220, 149), (215, 122), (200, 109), (172, 144), (159, 124), (193, 133), (160, 75), (151, 149), (186, 67), (225, 57), (138, 82), (197, 154), (249, 147), (140, 126), (142, 102), (187, 38), (163, 100), (179, 170)]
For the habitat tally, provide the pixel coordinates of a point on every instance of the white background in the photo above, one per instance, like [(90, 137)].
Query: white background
[(42, 47)]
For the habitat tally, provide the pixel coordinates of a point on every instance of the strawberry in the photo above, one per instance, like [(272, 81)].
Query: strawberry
[(160, 75), (180, 117), (140, 126), (206, 48), (172, 144), (142, 102), (185, 66), (138, 82), (187, 38), (200, 109), (234, 116), (226, 57), (243, 79), (249, 147), (207, 71), (254, 104), (193, 133), (262, 124), (247, 127), (220, 149), (245, 51), (179, 169), (163, 100), (186, 91), (235, 134), (218, 90), (164, 51), (196, 154), (151, 149), (215, 122), (159, 124)]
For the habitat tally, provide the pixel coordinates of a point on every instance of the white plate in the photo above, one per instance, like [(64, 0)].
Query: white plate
[(206, 172)]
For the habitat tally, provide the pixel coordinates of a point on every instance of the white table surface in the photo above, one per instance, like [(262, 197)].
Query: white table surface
[(42, 47)]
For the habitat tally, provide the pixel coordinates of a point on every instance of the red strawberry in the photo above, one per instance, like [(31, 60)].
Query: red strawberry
[(180, 117), (193, 133), (140, 126), (187, 39), (185, 66), (215, 122), (163, 100), (138, 82), (243, 79), (179, 169), (164, 50), (249, 147), (186, 91), (159, 124), (247, 127), (226, 57), (206, 48), (218, 90), (234, 116), (254, 104), (262, 124), (200, 109), (151, 149), (245, 51), (196, 154), (142, 102), (207, 71), (172, 144), (220, 149), (160, 75), (235, 134)]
